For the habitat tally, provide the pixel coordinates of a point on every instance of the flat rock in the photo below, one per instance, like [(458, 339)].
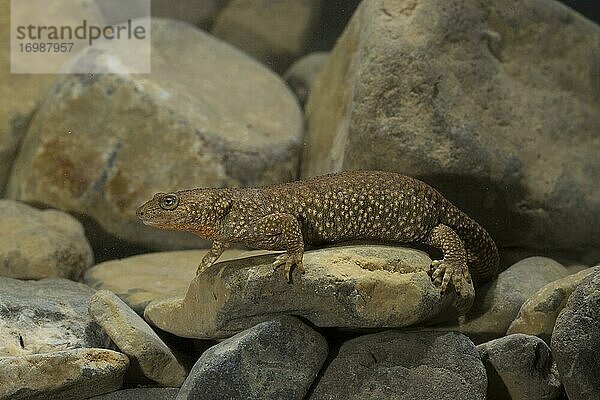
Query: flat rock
[(140, 394), (438, 90), (69, 375), (538, 314), (364, 286), (404, 365), (275, 33), (45, 316), (497, 303), (576, 341), (274, 360), (134, 337), (519, 367), (38, 244), (137, 280), (302, 73), (218, 118)]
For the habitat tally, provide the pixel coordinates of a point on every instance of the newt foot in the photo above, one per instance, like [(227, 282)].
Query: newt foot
[(443, 272), (289, 260)]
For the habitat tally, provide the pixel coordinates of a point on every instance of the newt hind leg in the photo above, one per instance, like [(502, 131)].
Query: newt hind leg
[(453, 267)]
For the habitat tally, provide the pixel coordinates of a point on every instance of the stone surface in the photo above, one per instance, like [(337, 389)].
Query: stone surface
[(303, 72), (138, 280), (468, 97), (519, 367), (20, 94), (38, 244), (103, 144), (44, 316), (404, 365), (200, 13), (576, 341), (69, 375), (538, 314), (140, 394), (497, 303), (274, 32), (274, 360), (134, 337), (350, 286)]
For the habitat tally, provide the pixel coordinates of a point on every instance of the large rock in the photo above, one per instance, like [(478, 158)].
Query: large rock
[(140, 394), (303, 72), (466, 96), (418, 365), (576, 341), (69, 375), (20, 94), (138, 280), (150, 355), (519, 367), (274, 360), (45, 316), (274, 32), (38, 244), (103, 144), (538, 314), (351, 287), (497, 303)]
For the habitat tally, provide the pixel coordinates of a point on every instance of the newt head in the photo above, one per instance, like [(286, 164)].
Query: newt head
[(197, 210)]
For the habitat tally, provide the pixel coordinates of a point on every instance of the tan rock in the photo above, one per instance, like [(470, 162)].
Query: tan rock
[(140, 279), (352, 286), (136, 339), (463, 94), (37, 244), (302, 74), (69, 375), (538, 314), (103, 144), (274, 32)]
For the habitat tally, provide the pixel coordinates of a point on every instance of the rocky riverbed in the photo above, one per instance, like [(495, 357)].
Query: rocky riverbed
[(495, 104)]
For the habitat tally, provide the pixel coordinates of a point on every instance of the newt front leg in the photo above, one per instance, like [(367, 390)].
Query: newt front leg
[(212, 255)]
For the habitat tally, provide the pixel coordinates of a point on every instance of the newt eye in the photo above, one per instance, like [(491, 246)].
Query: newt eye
[(169, 202)]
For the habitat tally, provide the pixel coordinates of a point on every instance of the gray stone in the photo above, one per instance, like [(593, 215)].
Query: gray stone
[(463, 94), (38, 244), (138, 280), (69, 375), (140, 394), (303, 72), (103, 144), (497, 303), (538, 314), (274, 32), (44, 316), (274, 360), (404, 365), (576, 341), (134, 337), (355, 286), (519, 367)]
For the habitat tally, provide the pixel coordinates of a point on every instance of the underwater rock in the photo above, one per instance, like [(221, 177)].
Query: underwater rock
[(134, 337), (138, 280), (519, 367), (576, 341), (274, 32), (36, 244), (356, 286), (69, 375), (466, 96), (302, 73), (44, 316), (104, 143), (273, 360), (538, 314), (412, 365)]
